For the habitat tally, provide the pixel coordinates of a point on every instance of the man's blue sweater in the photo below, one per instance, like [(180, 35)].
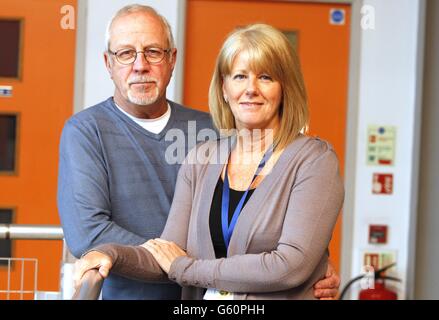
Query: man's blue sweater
[(115, 184)]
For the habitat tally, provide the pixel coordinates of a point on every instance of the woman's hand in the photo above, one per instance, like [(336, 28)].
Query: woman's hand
[(327, 288), (165, 252), (92, 260)]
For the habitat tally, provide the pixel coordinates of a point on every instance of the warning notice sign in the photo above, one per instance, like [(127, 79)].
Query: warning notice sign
[(382, 183), (381, 145)]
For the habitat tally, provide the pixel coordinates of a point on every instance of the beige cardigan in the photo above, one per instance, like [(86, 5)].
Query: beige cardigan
[(278, 249)]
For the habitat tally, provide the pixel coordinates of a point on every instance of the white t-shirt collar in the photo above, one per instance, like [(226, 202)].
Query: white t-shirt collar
[(155, 125)]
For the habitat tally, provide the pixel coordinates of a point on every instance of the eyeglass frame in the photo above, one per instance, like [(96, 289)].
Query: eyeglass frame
[(165, 52)]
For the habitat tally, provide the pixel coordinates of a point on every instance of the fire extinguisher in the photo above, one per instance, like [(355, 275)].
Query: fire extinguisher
[(379, 292)]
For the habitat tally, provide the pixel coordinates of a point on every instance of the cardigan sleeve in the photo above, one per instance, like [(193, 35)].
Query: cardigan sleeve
[(314, 203), (134, 262)]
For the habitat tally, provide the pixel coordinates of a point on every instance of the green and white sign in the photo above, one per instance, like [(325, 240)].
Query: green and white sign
[(381, 142)]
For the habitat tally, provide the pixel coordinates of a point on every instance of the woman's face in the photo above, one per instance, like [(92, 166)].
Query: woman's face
[(254, 98)]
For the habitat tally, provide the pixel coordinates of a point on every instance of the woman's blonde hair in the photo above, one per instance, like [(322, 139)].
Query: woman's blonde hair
[(270, 52)]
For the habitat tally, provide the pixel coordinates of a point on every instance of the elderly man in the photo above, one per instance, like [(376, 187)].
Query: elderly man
[(115, 184)]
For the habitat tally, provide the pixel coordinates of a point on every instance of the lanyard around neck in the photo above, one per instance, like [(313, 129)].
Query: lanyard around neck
[(228, 229)]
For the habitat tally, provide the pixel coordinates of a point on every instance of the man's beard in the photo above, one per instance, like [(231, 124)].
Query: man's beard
[(143, 98)]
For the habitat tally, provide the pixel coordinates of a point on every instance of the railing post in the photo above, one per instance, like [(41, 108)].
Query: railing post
[(90, 286)]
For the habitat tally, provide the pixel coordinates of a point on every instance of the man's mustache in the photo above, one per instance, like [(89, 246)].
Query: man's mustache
[(141, 80)]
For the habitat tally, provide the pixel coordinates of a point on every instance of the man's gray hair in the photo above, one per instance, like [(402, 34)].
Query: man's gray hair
[(134, 8)]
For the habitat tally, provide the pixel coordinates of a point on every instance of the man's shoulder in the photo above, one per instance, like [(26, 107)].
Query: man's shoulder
[(92, 114), (185, 113)]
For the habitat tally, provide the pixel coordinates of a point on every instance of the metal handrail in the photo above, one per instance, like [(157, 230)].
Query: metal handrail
[(30, 232), (91, 283), (90, 286)]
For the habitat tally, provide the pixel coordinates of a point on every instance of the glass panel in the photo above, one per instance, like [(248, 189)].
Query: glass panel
[(10, 48), (8, 136), (5, 245), (292, 36)]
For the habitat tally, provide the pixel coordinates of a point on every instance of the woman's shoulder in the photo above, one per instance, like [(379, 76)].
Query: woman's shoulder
[(306, 149), (315, 144)]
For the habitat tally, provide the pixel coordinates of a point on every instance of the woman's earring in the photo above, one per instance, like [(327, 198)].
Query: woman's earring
[(226, 100)]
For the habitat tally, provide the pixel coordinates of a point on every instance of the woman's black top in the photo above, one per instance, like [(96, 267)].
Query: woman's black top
[(216, 231)]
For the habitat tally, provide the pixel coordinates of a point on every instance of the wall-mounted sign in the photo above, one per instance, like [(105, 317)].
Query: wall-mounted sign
[(382, 183), (5, 91), (381, 141), (337, 17), (378, 234), (379, 259)]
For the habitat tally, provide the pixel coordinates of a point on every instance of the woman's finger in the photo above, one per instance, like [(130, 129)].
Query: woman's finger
[(150, 247), (162, 241)]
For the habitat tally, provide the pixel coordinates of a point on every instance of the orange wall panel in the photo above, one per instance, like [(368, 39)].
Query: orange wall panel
[(43, 97)]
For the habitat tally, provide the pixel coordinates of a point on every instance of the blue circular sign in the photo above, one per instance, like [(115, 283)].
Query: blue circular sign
[(337, 16)]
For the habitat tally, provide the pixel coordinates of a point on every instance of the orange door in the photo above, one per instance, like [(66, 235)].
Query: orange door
[(42, 98), (323, 49)]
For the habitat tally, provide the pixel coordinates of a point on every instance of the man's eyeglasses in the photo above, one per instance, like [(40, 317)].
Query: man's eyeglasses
[(152, 55)]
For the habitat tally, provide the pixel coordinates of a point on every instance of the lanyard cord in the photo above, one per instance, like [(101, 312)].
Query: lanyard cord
[(226, 228)]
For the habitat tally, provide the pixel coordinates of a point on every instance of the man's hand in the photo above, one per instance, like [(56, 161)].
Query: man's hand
[(327, 288), (92, 260), (165, 252)]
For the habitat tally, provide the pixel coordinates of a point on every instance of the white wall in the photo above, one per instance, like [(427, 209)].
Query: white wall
[(389, 73), (92, 83)]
